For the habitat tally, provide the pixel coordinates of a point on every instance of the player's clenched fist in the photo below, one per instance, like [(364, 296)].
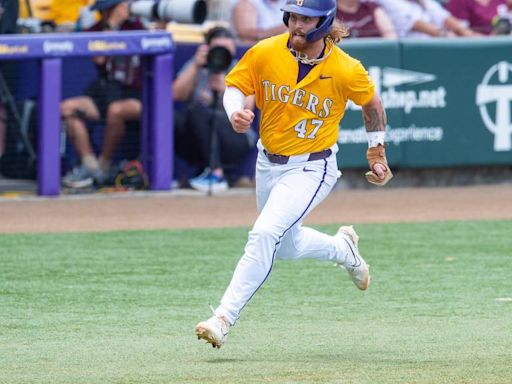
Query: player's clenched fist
[(241, 120)]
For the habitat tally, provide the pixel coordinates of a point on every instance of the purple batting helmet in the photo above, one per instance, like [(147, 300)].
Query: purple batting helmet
[(325, 9)]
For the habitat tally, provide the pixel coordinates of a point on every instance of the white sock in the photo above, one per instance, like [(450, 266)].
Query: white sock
[(90, 162)]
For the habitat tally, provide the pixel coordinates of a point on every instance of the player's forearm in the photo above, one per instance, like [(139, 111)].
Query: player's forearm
[(233, 100), (375, 121)]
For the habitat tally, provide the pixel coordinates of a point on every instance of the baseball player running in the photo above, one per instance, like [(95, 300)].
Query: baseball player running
[(302, 82)]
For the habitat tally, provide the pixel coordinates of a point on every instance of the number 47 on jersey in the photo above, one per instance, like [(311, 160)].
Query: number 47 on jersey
[(302, 128)]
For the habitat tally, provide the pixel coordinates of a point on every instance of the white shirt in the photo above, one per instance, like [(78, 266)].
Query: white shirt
[(405, 13), (269, 13)]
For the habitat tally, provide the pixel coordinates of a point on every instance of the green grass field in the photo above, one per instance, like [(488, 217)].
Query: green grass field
[(121, 307)]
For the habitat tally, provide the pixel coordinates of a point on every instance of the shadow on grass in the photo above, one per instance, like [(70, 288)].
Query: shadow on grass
[(222, 360)]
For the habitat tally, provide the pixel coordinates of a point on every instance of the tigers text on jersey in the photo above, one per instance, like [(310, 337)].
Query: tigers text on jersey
[(298, 118)]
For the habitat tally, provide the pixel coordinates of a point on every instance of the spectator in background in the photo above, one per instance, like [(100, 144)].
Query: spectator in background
[(114, 96), (502, 22), (65, 13), (365, 19), (8, 18), (39, 9), (255, 20), (476, 14), (202, 91), (423, 19), (53, 15)]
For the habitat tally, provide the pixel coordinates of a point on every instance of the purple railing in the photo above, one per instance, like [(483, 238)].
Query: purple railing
[(50, 49)]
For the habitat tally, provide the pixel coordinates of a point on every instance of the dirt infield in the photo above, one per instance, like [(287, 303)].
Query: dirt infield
[(187, 210)]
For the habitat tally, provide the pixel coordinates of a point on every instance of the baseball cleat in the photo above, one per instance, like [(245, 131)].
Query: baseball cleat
[(356, 267), (214, 330)]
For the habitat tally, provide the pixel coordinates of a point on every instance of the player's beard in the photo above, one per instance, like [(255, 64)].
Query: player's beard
[(298, 41)]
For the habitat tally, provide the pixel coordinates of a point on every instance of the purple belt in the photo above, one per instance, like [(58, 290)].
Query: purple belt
[(281, 159)]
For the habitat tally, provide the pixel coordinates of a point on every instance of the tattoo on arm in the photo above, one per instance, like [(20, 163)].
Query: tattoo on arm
[(374, 119)]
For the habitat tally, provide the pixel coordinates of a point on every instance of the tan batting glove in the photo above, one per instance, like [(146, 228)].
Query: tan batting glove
[(377, 155)]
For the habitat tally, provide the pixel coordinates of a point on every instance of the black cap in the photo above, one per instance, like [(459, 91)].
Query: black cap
[(218, 31)]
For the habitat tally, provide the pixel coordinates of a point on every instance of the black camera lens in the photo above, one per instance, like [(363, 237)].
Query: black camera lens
[(218, 59)]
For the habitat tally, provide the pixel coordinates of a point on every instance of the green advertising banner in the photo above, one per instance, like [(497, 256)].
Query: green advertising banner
[(448, 102), (381, 58)]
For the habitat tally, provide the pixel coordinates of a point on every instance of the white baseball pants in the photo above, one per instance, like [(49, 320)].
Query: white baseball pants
[(285, 194)]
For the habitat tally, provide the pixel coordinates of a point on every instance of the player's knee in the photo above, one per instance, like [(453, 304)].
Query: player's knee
[(287, 249), (66, 109), (263, 234), (115, 111)]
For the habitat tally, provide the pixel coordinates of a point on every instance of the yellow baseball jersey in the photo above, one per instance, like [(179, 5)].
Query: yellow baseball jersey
[(298, 118)]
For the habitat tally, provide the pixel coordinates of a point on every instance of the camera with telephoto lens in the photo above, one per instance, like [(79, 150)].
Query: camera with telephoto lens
[(180, 11), (218, 59)]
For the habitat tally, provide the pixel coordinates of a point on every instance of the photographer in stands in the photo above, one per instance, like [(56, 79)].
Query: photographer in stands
[(113, 97), (202, 90)]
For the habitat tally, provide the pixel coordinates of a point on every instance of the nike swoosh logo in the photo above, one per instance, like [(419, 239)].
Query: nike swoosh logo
[(357, 261), (322, 77), (308, 170)]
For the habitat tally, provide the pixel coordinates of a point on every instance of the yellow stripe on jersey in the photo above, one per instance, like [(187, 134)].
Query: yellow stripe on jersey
[(298, 118)]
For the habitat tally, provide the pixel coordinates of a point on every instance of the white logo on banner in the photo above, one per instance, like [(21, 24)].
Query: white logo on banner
[(155, 42), (393, 77), (388, 79), (406, 90), (409, 99), (499, 93), (63, 46)]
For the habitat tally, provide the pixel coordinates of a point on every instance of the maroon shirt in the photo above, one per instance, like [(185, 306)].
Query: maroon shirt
[(362, 22), (477, 15), (125, 69)]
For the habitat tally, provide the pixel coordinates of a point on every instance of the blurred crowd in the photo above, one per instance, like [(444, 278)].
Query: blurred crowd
[(113, 99), (253, 20)]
